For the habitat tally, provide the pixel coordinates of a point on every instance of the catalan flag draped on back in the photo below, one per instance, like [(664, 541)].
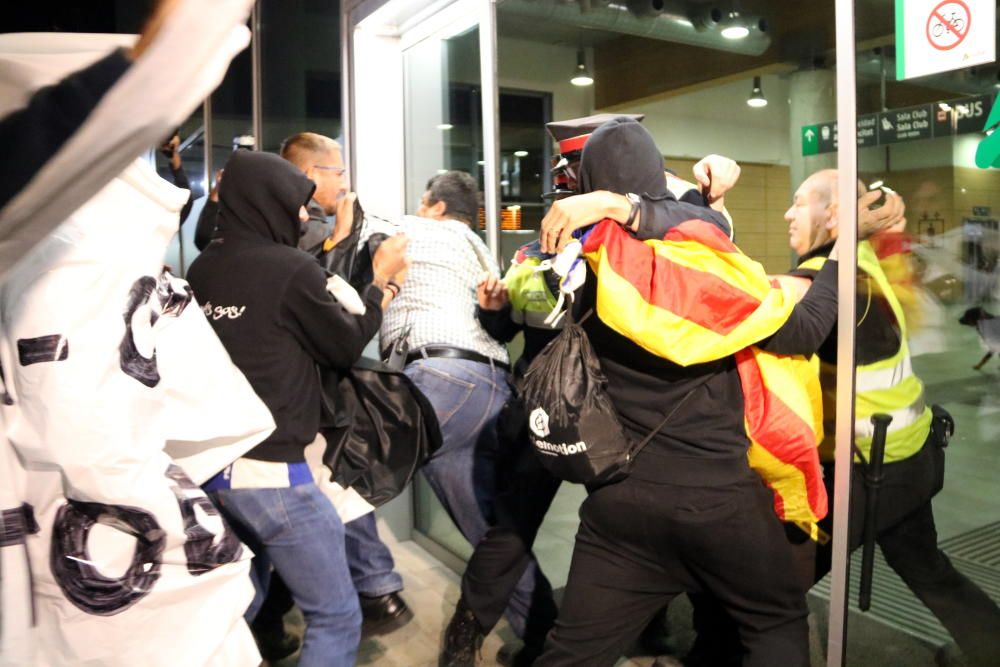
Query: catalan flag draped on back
[(694, 297)]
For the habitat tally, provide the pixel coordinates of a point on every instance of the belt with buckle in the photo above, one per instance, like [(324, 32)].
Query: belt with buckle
[(454, 353)]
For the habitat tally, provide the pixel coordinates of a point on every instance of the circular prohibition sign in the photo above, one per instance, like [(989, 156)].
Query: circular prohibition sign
[(948, 24)]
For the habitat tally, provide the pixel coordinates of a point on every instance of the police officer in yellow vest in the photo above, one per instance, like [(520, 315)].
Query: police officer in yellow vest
[(914, 459)]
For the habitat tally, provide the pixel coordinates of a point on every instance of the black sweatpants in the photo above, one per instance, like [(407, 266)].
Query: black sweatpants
[(504, 553), (702, 525)]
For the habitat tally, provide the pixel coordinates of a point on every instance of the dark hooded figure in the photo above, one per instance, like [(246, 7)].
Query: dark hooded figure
[(268, 303), (691, 516)]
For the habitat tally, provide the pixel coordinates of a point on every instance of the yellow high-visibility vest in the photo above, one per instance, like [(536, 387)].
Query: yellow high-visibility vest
[(886, 386)]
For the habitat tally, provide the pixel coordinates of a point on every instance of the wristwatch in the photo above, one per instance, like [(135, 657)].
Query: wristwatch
[(634, 200)]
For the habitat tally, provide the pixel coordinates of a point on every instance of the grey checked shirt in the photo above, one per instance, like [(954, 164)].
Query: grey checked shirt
[(438, 299)]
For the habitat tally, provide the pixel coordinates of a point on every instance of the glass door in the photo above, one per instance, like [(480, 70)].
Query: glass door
[(422, 102), (924, 591)]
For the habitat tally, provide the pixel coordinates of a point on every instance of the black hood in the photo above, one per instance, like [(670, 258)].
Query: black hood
[(260, 196), (622, 157)]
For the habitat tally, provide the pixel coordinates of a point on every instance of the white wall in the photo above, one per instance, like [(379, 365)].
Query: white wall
[(544, 67), (718, 120), (709, 121)]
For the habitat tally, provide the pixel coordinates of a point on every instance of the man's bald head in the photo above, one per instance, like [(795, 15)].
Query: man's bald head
[(812, 217), (321, 159)]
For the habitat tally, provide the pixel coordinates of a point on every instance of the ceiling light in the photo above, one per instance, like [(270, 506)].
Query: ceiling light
[(734, 27), (445, 126), (520, 153), (581, 76), (757, 98)]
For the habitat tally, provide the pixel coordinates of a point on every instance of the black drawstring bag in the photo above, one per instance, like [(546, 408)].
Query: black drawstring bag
[(571, 422)]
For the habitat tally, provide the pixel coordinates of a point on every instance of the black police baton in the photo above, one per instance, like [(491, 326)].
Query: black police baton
[(873, 480)]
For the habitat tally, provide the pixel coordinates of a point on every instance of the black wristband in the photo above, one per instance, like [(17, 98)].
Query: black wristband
[(634, 200)]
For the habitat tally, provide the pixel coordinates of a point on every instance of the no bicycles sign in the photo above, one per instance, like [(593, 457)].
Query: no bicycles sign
[(943, 35)]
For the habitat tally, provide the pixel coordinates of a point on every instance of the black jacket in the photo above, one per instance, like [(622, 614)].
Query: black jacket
[(622, 157), (268, 303)]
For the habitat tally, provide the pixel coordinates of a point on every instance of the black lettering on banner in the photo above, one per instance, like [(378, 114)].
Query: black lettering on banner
[(15, 525), (41, 349), (203, 554), (79, 580), (171, 304), (131, 360)]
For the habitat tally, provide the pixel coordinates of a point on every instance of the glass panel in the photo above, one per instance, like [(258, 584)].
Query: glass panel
[(443, 131), (934, 555), (300, 69), (190, 152), (443, 123)]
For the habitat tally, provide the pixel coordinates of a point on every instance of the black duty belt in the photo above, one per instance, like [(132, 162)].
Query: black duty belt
[(454, 353)]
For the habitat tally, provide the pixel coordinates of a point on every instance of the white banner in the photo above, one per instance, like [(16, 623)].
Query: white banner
[(122, 400)]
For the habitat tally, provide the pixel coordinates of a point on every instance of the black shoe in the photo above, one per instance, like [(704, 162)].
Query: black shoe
[(276, 644), (383, 614), (462, 639)]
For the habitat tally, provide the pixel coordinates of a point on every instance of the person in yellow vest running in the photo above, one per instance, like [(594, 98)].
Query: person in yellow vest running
[(914, 458)]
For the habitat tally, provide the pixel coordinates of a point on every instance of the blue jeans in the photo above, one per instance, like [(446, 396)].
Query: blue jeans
[(369, 559), (467, 397), (298, 531)]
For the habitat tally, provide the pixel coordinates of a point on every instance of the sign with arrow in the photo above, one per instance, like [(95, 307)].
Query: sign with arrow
[(927, 121), (810, 139)]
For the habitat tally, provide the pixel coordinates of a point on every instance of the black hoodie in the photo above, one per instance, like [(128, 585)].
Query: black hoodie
[(268, 303), (622, 157)]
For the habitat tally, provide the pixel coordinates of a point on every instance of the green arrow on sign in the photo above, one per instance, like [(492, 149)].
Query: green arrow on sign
[(988, 150), (810, 139)]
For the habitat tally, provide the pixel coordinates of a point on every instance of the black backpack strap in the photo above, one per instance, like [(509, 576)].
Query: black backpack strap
[(645, 441)]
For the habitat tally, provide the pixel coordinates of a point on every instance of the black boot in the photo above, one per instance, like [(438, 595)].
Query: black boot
[(462, 639)]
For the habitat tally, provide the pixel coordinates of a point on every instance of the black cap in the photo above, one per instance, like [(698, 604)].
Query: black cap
[(561, 130)]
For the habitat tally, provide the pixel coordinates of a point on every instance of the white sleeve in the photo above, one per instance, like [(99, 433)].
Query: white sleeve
[(155, 95)]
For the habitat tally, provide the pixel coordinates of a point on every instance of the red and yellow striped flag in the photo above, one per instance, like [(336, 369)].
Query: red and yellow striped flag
[(694, 297)]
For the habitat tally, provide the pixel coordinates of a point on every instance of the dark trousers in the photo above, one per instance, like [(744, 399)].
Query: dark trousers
[(906, 533), (711, 528), (504, 554)]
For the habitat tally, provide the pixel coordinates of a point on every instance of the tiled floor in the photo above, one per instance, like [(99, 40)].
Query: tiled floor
[(431, 591)]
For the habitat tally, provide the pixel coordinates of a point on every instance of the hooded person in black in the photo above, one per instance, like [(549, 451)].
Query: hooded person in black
[(691, 516), (268, 303)]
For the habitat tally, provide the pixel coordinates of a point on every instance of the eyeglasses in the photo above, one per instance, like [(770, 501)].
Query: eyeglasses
[(338, 171)]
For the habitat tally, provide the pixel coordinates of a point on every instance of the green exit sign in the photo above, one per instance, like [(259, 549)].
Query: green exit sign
[(810, 139)]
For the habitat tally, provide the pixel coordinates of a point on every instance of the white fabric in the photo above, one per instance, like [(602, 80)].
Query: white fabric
[(16, 638), (91, 427), (179, 69), (438, 299), (348, 502), (254, 474)]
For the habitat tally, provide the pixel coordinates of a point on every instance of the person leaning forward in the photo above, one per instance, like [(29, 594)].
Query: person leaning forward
[(278, 322)]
